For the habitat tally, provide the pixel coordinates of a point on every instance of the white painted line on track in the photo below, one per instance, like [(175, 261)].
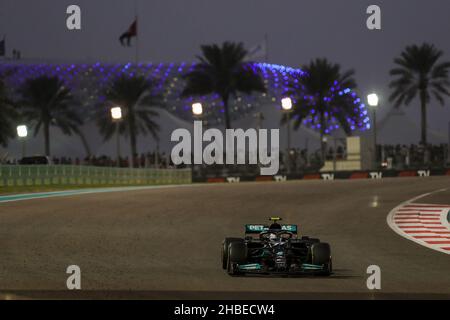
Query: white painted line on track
[(52, 194), (425, 224)]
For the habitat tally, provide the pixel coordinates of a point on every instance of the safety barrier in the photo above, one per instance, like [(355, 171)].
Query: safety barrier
[(338, 175), (41, 175)]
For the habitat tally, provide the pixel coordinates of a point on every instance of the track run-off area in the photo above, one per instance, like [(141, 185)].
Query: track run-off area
[(165, 243)]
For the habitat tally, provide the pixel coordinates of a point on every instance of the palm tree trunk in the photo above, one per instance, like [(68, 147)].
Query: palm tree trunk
[(84, 142), (133, 144), (322, 133), (133, 147), (423, 107), (322, 147), (225, 100), (47, 138)]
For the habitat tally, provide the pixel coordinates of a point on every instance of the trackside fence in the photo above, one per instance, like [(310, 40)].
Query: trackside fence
[(38, 175)]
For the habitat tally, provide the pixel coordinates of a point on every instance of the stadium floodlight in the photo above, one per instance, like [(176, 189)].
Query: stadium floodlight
[(286, 104), (197, 109), (22, 131), (372, 99), (116, 113)]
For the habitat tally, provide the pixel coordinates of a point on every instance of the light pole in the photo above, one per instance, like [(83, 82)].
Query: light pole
[(259, 116), (197, 112), (372, 100), (116, 115), (22, 133), (286, 105)]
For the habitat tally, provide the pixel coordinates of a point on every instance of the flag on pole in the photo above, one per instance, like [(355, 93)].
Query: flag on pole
[(2, 47), (258, 51), (127, 35)]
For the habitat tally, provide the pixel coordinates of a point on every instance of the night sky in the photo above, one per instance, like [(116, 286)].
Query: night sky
[(298, 31)]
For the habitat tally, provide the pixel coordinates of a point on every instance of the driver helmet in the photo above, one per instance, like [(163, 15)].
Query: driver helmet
[(272, 237), (275, 226)]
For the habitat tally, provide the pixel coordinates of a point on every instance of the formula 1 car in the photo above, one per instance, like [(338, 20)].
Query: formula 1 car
[(277, 249)]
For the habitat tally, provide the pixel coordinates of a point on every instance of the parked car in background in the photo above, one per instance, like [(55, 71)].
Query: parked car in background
[(36, 160)]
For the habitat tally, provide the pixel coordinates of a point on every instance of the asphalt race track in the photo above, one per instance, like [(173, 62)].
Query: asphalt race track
[(165, 243)]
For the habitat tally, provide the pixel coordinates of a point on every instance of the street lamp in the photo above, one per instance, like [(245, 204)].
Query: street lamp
[(197, 109), (116, 115), (22, 133), (286, 105), (372, 100)]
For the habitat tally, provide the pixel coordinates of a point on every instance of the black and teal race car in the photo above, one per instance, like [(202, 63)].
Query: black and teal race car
[(275, 249)]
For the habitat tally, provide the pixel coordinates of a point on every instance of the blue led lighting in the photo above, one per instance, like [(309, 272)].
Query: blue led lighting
[(88, 81)]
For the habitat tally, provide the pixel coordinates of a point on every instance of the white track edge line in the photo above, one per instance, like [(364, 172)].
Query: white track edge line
[(393, 226), (78, 192)]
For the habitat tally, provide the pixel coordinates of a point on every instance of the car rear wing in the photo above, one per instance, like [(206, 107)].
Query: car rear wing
[(258, 228)]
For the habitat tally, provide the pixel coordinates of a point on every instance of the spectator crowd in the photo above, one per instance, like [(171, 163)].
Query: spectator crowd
[(156, 160), (388, 156)]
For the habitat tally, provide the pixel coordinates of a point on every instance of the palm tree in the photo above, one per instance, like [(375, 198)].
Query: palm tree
[(85, 112), (77, 130), (222, 70), (136, 98), (8, 116), (319, 95), (420, 73), (46, 102)]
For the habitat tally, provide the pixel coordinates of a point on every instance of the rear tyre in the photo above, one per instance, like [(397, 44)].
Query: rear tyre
[(321, 255), (329, 268), (237, 254), (225, 244)]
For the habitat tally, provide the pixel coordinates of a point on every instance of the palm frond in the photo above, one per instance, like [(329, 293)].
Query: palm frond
[(8, 116), (419, 70), (47, 100), (136, 98), (322, 77), (222, 70)]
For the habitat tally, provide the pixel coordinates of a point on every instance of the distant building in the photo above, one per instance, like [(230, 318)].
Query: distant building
[(88, 81)]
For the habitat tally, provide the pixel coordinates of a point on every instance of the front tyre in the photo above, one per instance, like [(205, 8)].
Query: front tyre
[(321, 255), (237, 254), (328, 268), (225, 244)]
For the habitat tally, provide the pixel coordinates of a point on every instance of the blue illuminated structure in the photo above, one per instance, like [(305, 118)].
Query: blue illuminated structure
[(357, 118), (89, 81)]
